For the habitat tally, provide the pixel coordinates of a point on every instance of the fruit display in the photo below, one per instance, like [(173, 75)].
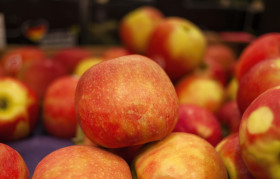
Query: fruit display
[(166, 102)]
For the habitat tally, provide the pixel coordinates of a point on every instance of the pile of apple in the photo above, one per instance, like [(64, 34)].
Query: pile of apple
[(166, 104)]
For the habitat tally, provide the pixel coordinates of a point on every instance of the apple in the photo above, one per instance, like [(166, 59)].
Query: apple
[(229, 150), (259, 135), (202, 91), (13, 60), (19, 109), (229, 117), (231, 89), (59, 117), (262, 48), (70, 57), (137, 26), (179, 155), (178, 46), (85, 64), (197, 120), (126, 101), (259, 78), (12, 164), (115, 52), (38, 75), (82, 161)]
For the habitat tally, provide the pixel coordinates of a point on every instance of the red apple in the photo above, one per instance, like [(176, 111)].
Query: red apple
[(263, 48), (259, 78), (12, 164), (59, 107), (19, 109), (179, 155), (38, 75), (178, 46), (81, 161), (229, 150), (70, 57), (137, 26), (13, 60), (115, 52), (197, 120), (259, 135), (126, 101), (202, 91)]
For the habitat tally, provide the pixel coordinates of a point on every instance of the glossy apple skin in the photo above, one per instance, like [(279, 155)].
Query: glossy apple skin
[(126, 101), (178, 46), (70, 57), (179, 155), (115, 52), (12, 61), (81, 161), (40, 74), (229, 150), (259, 135), (197, 120), (259, 78), (202, 91), (23, 110), (137, 26), (263, 48), (12, 164), (59, 117)]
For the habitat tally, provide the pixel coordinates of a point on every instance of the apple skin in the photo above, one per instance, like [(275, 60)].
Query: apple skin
[(231, 89), (178, 46), (12, 165), (264, 47), (59, 117), (115, 52), (262, 76), (70, 57), (85, 64), (40, 74), (259, 135), (229, 150), (179, 155), (19, 117), (197, 120), (137, 26), (81, 161), (202, 91), (126, 101), (12, 61)]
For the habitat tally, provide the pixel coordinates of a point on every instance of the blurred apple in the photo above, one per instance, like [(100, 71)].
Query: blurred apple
[(202, 91), (70, 57), (177, 45), (85, 64), (126, 101), (137, 26), (81, 161), (263, 48), (19, 109), (115, 52), (179, 155), (12, 164), (59, 117), (38, 75), (259, 135), (13, 60), (259, 78), (197, 120), (231, 89), (229, 150), (2, 71)]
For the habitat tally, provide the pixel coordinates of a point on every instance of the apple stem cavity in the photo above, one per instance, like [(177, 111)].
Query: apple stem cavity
[(3, 103)]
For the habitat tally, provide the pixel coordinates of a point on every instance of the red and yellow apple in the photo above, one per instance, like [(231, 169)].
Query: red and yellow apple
[(179, 155), (259, 135), (137, 26), (126, 101), (85, 64), (59, 117), (12, 165), (19, 109), (115, 52), (81, 161), (177, 45)]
